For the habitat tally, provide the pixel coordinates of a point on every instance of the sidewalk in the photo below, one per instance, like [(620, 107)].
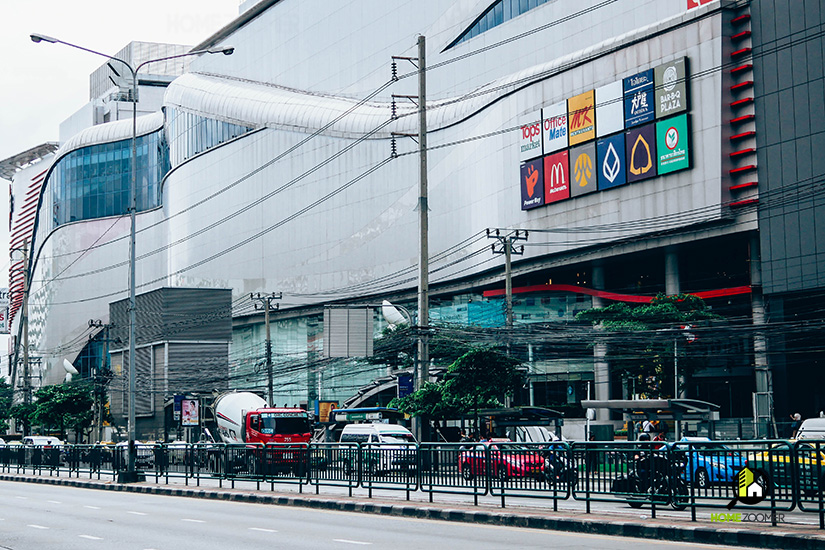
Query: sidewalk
[(759, 536)]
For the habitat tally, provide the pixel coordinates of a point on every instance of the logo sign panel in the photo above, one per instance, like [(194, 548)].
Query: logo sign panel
[(672, 144), (639, 106), (530, 138), (611, 167), (532, 184), (609, 109), (640, 151), (556, 177), (581, 113), (583, 170), (671, 88), (555, 127), (696, 3)]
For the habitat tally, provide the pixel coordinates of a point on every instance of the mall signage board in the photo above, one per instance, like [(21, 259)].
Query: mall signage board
[(609, 109), (530, 141), (671, 88), (554, 127), (639, 107), (642, 130), (672, 144), (581, 116), (556, 177), (583, 169), (532, 184), (612, 163), (640, 149)]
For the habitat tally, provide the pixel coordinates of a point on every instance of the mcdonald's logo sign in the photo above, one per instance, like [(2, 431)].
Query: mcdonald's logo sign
[(556, 177), (640, 144)]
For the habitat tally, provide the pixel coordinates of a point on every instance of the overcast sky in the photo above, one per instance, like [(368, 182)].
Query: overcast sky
[(43, 84)]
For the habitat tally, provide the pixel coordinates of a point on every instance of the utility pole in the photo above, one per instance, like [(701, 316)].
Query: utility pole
[(100, 379), (423, 227), (266, 303), (505, 246), (422, 364)]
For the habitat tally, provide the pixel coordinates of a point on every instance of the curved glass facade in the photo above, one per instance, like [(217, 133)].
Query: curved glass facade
[(95, 181), (190, 134), (496, 14)]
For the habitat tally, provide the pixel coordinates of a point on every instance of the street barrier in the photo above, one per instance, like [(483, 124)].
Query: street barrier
[(772, 476)]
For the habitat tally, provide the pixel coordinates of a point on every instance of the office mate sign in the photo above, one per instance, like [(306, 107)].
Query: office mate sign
[(671, 88), (530, 138)]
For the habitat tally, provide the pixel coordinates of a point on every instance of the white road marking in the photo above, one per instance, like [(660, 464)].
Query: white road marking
[(193, 520), (37, 526), (136, 513), (352, 541), (263, 530), (90, 537), (92, 507), (23, 498), (54, 501)]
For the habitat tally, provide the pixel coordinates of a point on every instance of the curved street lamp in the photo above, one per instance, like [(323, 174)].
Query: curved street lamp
[(131, 475)]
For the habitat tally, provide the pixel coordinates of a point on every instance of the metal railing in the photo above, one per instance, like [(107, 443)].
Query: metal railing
[(771, 476)]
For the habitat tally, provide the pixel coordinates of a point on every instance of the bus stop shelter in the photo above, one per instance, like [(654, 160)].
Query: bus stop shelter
[(669, 410)]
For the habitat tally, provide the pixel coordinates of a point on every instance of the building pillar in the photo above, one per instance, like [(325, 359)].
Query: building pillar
[(601, 368), (764, 422), (671, 271)]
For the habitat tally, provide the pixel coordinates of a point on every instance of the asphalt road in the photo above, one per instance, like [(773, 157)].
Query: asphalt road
[(45, 517)]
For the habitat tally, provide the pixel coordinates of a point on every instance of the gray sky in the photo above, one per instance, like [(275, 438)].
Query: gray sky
[(43, 84)]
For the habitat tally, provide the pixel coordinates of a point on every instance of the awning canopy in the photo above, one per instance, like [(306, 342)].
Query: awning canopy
[(658, 409)]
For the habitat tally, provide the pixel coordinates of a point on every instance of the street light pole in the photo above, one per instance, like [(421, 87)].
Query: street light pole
[(131, 474)]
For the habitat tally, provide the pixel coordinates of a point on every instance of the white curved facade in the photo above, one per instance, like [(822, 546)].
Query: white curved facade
[(292, 205)]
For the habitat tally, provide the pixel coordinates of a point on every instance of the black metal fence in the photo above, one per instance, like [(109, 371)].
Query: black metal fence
[(770, 476)]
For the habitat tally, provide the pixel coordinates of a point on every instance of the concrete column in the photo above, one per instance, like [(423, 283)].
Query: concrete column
[(763, 402), (601, 368), (671, 271)]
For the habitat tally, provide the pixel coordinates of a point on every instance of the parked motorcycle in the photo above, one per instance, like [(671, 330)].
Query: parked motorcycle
[(654, 477), (559, 469)]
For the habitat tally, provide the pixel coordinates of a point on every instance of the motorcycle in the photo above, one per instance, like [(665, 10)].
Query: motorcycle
[(558, 470), (654, 477)]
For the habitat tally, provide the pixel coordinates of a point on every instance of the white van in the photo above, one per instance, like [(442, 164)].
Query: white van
[(385, 447), (376, 433), (42, 441), (812, 428)]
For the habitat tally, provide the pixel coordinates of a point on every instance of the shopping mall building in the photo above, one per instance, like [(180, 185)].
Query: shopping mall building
[(644, 146)]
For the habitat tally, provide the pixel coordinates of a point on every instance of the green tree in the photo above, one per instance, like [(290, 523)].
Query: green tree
[(63, 406), (642, 339), (6, 394), (25, 414), (480, 378)]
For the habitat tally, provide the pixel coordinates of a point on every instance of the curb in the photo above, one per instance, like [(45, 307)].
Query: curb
[(692, 534)]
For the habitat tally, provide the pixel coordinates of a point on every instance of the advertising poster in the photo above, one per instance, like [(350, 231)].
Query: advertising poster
[(324, 410), (639, 106), (672, 144), (555, 127), (612, 170), (532, 184), (671, 88), (530, 138), (189, 413), (609, 109), (556, 177), (581, 117), (640, 151), (176, 407), (583, 169)]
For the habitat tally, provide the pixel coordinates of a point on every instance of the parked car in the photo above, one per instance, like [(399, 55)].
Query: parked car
[(507, 460), (812, 428), (807, 471), (707, 462)]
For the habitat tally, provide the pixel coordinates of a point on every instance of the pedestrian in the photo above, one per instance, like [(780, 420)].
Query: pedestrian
[(648, 427), (797, 422)]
